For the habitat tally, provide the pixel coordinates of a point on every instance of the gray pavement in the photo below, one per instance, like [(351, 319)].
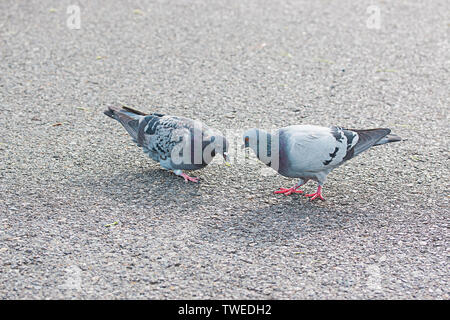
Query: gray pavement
[(84, 214)]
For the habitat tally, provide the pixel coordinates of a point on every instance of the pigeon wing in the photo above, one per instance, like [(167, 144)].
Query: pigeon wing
[(364, 139), (166, 137), (313, 148)]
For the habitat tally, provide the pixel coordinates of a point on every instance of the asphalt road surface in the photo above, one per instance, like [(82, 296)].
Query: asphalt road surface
[(85, 214)]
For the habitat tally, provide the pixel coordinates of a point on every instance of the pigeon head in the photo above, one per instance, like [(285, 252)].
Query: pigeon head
[(221, 147), (250, 138), (259, 141)]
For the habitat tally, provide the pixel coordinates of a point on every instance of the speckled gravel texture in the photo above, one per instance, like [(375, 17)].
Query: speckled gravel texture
[(66, 170)]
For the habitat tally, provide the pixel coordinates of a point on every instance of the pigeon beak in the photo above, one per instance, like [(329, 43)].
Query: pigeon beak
[(227, 160), (246, 150)]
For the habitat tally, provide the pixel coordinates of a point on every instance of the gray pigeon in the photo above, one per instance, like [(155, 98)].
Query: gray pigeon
[(177, 143), (311, 152)]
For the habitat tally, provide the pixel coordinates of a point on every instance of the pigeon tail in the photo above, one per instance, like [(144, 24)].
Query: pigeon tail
[(387, 139), (126, 108), (368, 138), (110, 112), (113, 112), (128, 117)]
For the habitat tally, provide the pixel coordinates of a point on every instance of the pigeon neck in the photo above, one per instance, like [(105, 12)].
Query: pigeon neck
[(264, 146)]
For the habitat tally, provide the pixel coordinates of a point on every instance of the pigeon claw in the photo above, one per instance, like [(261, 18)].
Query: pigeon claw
[(288, 191), (314, 196), (317, 194), (187, 178)]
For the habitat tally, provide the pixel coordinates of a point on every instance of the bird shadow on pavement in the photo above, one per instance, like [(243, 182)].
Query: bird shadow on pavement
[(278, 223), (220, 215), (149, 187)]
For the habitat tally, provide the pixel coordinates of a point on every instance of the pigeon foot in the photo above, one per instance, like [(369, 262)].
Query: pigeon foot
[(288, 191), (317, 194), (187, 178)]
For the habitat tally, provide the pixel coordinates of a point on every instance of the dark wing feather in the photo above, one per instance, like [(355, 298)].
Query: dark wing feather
[(161, 134), (129, 120), (366, 139), (147, 127), (129, 109)]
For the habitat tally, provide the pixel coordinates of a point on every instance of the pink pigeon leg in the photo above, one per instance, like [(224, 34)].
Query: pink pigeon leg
[(317, 194), (187, 178), (290, 190)]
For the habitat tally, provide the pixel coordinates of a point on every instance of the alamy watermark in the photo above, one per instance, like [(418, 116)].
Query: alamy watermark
[(73, 278), (374, 19), (73, 21), (374, 274), (193, 147)]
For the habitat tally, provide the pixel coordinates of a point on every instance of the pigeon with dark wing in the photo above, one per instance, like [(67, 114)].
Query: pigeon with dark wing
[(311, 152), (177, 143)]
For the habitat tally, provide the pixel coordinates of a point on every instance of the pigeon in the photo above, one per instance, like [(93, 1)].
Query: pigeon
[(311, 152), (177, 143)]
